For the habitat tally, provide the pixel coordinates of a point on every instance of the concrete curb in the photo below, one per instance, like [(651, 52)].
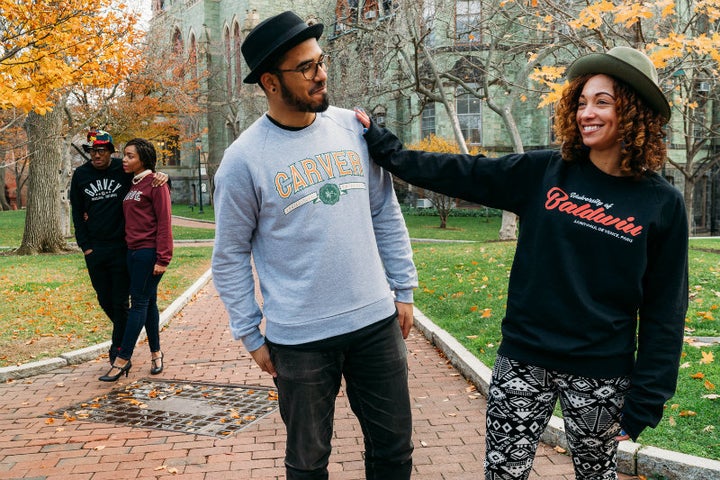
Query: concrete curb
[(199, 220), (633, 458), (88, 353)]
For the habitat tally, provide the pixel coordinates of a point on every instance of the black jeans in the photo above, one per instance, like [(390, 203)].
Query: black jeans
[(107, 267), (373, 362), (143, 310)]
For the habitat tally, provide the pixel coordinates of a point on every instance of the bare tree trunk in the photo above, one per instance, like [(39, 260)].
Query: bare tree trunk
[(64, 186), (689, 194), (508, 228), (443, 204), (42, 223), (4, 205)]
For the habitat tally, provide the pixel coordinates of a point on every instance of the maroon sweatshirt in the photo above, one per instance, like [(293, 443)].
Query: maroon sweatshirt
[(147, 219)]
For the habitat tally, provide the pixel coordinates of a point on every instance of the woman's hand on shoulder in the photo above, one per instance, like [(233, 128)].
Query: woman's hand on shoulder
[(362, 116)]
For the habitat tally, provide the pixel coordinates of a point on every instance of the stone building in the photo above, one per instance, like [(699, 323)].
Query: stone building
[(210, 32)]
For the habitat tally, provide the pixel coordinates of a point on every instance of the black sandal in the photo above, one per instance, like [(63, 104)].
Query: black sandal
[(157, 365)]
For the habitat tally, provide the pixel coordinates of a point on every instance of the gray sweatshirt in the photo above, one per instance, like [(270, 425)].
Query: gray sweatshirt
[(323, 226)]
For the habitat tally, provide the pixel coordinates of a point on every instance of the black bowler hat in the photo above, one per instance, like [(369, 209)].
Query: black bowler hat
[(271, 38)]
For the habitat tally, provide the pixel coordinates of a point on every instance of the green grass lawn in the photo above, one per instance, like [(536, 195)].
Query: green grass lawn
[(193, 212), (477, 229)]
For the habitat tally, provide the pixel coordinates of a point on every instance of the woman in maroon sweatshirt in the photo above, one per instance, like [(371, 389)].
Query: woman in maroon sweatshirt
[(150, 244)]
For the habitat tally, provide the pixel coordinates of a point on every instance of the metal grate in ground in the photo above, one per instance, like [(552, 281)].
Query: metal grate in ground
[(189, 407)]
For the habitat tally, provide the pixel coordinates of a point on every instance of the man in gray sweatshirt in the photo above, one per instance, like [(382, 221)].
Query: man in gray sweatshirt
[(299, 193)]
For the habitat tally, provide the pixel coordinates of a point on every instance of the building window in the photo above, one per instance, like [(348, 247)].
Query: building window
[(387, 7), (193, 57), (469, 116), (177, 42), (428, 120), (228, 62), (379, 114), (371, 10), (346, 12), (428, 19), (237, 55), (168, 151), (467, 21), (178, 52)]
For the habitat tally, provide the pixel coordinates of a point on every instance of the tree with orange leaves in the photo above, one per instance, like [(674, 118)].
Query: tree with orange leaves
[(48, 48)]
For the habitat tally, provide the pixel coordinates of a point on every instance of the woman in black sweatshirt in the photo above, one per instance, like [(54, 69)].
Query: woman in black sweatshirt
[(598, 289)]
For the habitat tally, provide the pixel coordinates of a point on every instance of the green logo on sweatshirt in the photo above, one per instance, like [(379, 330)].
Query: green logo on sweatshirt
[(329, 194)]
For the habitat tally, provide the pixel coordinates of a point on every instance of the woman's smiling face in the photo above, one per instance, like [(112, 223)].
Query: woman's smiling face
[(596, 114)]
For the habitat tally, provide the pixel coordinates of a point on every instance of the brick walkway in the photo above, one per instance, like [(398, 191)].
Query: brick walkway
[(448, 418)]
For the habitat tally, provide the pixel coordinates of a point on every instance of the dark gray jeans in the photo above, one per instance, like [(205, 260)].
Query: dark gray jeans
[(373, 362)]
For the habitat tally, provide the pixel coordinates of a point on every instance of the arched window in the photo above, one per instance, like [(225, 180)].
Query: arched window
[(177, 42), (228, 62), (193, 56), (237, 54), (177, 52)]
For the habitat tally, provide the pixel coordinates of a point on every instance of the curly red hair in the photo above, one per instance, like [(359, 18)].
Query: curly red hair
[(641, 132)]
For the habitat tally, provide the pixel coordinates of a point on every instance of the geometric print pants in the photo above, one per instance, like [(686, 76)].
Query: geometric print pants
[(520, 404)]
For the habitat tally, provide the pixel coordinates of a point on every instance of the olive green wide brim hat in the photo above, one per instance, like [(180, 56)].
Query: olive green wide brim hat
[(629, 66)]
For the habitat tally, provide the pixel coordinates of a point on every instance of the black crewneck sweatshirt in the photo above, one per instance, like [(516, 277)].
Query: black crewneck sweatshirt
[(99, 193), (599, 282)]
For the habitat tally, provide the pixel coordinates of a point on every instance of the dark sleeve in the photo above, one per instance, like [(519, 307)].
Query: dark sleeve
[(77, 205), (494, 182), (661, 324)]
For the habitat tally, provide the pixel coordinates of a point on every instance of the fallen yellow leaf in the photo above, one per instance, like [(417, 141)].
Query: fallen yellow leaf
[(707, 358)]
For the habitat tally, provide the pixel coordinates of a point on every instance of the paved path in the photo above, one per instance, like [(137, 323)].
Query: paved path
[(448, 418)]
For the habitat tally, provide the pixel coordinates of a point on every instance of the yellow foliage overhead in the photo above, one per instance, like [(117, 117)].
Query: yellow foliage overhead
[(629, 14), (48, 46), (548, 76), (711, 8), (433, 143), (592, 16)]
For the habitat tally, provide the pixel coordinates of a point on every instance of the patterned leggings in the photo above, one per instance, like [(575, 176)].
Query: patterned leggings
[(520, 404)]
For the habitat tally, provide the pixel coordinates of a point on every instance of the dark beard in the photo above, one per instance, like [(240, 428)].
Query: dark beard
[(301, 105)]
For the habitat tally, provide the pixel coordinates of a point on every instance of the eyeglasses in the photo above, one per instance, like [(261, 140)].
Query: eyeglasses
[(309, 70), (99, 150)]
